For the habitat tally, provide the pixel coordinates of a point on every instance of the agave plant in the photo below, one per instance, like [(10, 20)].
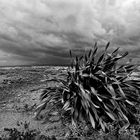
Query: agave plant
[(96, 90)]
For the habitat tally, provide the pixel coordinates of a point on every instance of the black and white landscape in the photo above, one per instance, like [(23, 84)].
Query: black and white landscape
[(40, 39)]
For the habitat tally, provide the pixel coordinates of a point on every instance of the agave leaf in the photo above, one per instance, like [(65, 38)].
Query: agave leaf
[(66, 105), (95, 93), (135, 82), (107, 46), (112, 90), (85, 95), (42, 105), (130, 67), (124, 116), (63, 82), (86, 59), (115, 51), (89, 54), (85, 75), (44, 93), (84, 105), (93, 90), (117, 57), (44, 96), (121, 91), (125, 54), (100, 59), (96, 106), (111, 116), (133, 98), (121, 67), (129, 102), (92, 120), (62, 74), (95, 50), (40, 108), (99, 98), (102, 125), (81, 58), (119, 98), (108, 94), (95, 114)]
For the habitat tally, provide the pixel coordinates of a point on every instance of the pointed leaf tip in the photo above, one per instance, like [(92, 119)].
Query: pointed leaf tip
[(107, 45)]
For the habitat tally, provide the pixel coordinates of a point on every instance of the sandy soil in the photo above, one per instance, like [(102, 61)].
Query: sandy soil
[(20, 88)]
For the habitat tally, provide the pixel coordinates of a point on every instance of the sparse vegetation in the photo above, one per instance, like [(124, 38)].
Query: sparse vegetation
[(23, 132)]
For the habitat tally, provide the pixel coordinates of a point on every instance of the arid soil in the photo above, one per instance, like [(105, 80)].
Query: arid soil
[(20, 89)]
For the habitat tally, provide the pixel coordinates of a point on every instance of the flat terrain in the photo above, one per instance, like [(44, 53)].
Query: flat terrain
[(20, 89)]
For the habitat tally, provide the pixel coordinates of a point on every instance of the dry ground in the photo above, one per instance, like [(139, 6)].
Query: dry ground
[(20, 89)]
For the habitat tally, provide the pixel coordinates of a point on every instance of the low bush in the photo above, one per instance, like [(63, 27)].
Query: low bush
[(23, 132), (95, 90)]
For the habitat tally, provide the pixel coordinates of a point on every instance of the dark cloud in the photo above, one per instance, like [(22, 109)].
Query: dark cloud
[(43, 31)]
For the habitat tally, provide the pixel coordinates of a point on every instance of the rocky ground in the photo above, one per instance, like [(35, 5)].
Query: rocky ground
[(20, 89)]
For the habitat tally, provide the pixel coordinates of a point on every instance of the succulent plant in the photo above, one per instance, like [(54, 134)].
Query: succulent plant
[(96, 90)]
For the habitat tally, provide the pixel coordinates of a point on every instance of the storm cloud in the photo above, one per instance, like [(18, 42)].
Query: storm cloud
[(43, 31)]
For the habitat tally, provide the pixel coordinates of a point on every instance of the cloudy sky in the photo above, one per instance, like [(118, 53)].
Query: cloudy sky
[(43, 31)]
